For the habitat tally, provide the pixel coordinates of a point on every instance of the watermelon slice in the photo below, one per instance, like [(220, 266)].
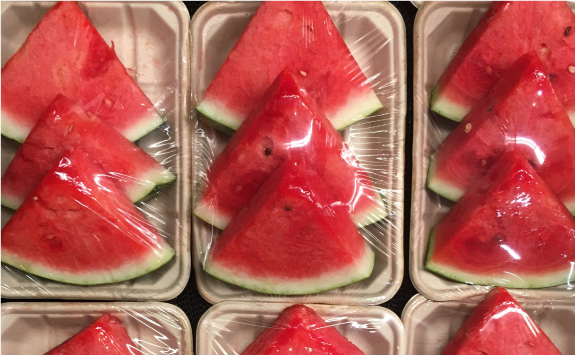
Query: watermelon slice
[(522, 113), (65, 54), (106, 336), (77, 227), (287, 120), (547, 28), (299, 330), (288, 240), (507, 230), (500, 326), (64, 126), (301, 36)]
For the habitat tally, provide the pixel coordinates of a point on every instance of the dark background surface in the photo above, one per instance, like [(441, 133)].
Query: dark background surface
[(195, 306)]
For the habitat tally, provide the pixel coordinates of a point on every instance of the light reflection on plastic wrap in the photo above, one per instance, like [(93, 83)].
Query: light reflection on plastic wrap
[(375, 143), (230, 328), (141, 35), (430, 325), (153, 328)]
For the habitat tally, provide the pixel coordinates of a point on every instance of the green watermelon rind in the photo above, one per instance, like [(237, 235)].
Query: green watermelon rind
[(317, 284), (148, 123), (372, 215), (11, 129), (157, 258), (210, 216), (150, 181), (447, 108), (541, 280), (442, 188), (220, 221), (347, 115)]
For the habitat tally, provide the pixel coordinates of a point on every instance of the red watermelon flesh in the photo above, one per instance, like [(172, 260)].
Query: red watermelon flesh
[(302, 37), (289, 240), (299, 330), (505, 33), (77, 227), (64, 126), (65, 54), (500, 326), (106, 336), (507, 230), (287, 120), (522, 113)]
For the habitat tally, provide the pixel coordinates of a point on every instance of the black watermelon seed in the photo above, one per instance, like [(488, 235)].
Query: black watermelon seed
[(288, 208), (567, 31), (268, 151)]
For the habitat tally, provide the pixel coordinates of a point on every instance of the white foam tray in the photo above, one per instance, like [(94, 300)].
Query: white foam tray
[(34, 328), (440, 29), (375, 33), (229, 327), (152, 39), (429, 326)]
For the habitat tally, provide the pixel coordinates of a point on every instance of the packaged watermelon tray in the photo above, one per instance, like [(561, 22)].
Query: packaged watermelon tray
[(151, 40), (154, 327), (229, 327), (440, 30), (430, 325), (375, 35)]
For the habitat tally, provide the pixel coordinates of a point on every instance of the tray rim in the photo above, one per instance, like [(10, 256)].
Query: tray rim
[(395, 17), (183, 181)]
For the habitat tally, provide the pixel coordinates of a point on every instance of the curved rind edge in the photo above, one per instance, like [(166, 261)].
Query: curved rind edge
[(152, 262), (298, 287)]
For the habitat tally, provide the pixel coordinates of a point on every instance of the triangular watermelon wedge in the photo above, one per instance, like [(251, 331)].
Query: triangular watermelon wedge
[(77, 227), (286, 120), (64, 126), (500, 326), (507, 230), (522, 113), (299, 330), (106, 336), (65, 54), (547, 28), (302, 37), (289, 240)]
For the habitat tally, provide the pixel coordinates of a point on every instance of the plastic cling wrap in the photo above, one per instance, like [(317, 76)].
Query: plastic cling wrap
[(74, 146), (430, 326), (368, 164), (153, 328), (507, 213), (230, 327)]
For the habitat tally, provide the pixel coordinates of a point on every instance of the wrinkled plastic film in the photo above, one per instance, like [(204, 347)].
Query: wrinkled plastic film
[(152, 328), (230, 327), (374, 34), (434, 24), (430, 325), (155, 54)]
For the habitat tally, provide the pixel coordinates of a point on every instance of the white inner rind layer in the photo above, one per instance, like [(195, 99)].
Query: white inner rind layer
[(130, 270), (12, 129), (370, 216), (447, 108), (207, 212), (283, 286), (503, 278), (148, 181), (140, 188), (146, 124), (572, 117), (443, 188), (354, 110)]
